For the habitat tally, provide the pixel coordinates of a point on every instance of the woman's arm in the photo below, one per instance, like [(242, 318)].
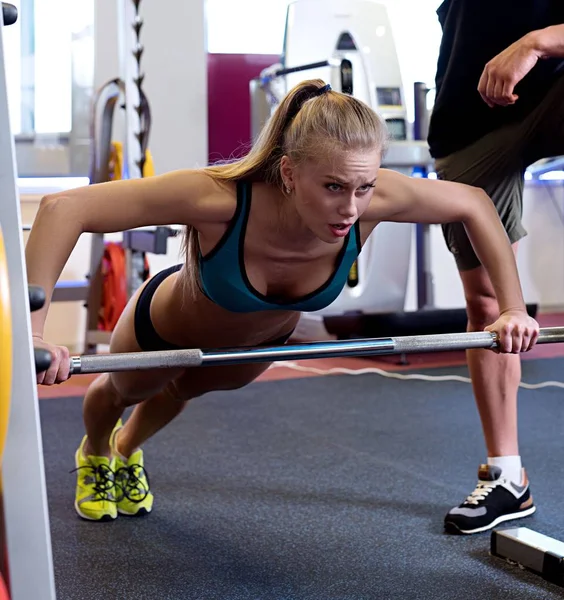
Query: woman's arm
[(180, 197), (407, 199)]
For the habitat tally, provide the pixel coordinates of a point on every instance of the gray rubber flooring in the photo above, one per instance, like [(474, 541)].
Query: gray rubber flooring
[(317, 488)]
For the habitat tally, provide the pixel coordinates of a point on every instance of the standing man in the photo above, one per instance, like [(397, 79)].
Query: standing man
[(499, 108)]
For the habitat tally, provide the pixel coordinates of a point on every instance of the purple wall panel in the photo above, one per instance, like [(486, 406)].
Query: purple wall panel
[(229, 108)]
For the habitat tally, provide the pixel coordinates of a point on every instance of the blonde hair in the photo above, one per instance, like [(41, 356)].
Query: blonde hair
[(308, 121)]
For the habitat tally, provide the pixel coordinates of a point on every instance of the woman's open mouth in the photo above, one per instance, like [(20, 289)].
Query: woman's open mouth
[(339, 229)]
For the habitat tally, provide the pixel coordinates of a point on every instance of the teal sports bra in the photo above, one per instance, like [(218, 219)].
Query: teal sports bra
[(223, 278)]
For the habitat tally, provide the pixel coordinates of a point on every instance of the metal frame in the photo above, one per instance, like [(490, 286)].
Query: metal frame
[(28, 536), (531, 550), (129, 68)]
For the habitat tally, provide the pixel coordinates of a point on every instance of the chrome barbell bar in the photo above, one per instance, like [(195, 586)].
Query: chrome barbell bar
[(169, 359)]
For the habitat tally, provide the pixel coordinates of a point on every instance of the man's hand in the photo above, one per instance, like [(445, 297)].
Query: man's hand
[(516, 332), (505, 71)]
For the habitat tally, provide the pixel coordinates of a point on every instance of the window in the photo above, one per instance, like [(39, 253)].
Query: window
[(417, 37), (48, 70), (245, 26), (42, 63)]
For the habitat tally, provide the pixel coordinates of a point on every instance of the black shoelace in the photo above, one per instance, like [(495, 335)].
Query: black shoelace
[(103, 479), (128, 479)]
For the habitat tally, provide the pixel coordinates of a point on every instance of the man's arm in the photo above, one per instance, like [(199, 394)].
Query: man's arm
[(507, 69), (549, 41)]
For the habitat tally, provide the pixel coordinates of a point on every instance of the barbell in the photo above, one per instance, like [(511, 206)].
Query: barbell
[(195, 357), (169, 359)]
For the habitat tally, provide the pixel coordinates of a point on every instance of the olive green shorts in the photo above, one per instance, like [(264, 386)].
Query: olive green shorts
[(497, 163)]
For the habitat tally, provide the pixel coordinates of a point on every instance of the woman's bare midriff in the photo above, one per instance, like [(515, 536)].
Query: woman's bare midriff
[(194, 321), (190, 320)]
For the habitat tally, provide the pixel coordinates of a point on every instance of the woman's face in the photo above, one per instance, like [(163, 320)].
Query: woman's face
[(331, 192)]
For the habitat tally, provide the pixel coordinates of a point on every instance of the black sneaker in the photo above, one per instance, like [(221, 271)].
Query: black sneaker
[(495, 499)]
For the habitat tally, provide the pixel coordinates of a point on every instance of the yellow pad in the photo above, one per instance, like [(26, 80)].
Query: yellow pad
[(149, 166), (116, 162), (5, 347)]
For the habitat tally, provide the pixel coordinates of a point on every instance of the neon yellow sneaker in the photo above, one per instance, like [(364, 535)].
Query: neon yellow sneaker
[(95, 499), (134, 497)]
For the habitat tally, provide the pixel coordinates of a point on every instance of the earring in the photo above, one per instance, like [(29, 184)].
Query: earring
[(288, 190)]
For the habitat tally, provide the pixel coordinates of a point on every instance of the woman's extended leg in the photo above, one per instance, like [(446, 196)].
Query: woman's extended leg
[(97, 495)]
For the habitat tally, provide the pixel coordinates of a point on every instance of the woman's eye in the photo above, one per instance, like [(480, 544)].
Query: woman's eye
[(333, 187)]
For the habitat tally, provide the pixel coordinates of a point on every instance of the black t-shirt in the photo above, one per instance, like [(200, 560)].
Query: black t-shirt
[(474, 31)]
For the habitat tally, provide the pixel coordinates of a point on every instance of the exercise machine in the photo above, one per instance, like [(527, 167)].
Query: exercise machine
[(27, 534), (125, 93), (123, 100), (136, 242)]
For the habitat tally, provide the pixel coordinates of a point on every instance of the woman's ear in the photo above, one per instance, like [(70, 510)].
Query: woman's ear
[(287, 173)]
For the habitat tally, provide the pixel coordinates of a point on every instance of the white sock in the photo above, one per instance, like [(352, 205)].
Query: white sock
[(510, 466)]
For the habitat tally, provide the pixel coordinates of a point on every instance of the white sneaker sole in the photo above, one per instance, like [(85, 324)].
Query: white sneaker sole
[(509, 517)]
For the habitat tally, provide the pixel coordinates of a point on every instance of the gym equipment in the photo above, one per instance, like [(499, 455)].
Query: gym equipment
[(9, 13), (532, 550), (5, 348), (135, 102), (358, 32), (28, 541), (132, 160), (5, 395), (424, 270), (136, 243), (129, 159), (166, 359), (546, 165), (352, 47)]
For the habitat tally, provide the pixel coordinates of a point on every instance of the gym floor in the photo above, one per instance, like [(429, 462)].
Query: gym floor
[(311, 488), (77, 385)]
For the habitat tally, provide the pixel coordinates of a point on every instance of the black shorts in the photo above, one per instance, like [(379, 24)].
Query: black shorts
[(145, 333), (497, 163)]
